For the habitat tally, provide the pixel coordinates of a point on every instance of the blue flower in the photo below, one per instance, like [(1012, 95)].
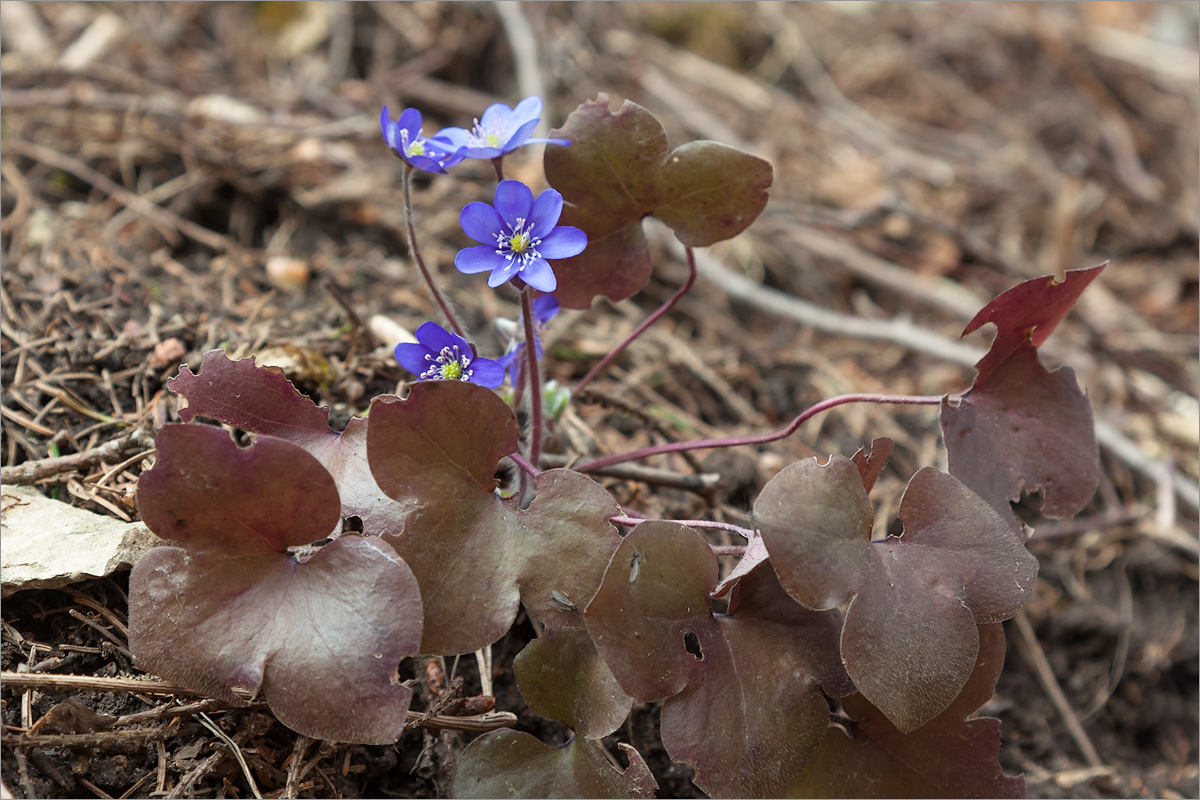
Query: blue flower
[(501, 130), (439, 355), (404, 138), (519, 234), (544, 308)]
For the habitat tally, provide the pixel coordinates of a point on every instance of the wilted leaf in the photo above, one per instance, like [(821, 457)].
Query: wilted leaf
[(507, 763), (910, 637), (949, 756), (562, 677), (743, 701), (619, 169), (1022, 428), (476, 555), (234, 614), (262, 400), (1027, 314), (755, 554)]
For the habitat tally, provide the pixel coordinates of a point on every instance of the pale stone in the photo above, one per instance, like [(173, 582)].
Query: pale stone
[(47, 544)]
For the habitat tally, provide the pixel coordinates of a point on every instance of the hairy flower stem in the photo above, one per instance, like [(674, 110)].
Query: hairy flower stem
[(760, 438), (498, 163), (416, 253), (524, 464), (646, 323), (532, 378)]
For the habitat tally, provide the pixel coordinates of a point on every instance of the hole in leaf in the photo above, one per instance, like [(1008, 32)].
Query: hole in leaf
[(691, 643), (243, 438), (352, 524)]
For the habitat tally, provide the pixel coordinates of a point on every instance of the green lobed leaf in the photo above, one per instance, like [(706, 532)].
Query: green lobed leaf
[(262, 400), (744, 704), (952, 755), (909, 639), (507, 763), (618, 170), (234, 614), (561, 676), (478, 556)]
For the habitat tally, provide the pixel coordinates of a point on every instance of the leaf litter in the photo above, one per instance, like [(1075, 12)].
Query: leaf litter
[(97, 289)]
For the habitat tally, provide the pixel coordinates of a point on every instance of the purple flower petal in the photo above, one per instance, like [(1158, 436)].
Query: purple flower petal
[(480, 258), (538, 274), (435, 337), (484, 153), (410, 120), (486, 372), (495, 113), (386, 125), (544, 308), (513, 201), (500, 275), (545, 213), (527, 109), (539, 140), (424, 163), (457, 137), (481, 222), (519, 136), (412, 357), (564, 242)]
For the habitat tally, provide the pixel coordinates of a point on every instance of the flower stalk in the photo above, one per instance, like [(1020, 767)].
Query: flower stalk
[(533, 378), (646, 323), (410, 228)]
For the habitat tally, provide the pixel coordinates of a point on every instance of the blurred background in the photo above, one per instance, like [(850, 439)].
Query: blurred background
[(183, 176)]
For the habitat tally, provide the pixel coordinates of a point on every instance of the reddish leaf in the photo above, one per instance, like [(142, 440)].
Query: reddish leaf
[(756, 553), (478, 556), (563, 677), (1022, 428), (744, 705), (619, 169), (950, 756), (909, 640), (1028, 313), (869, 466), (507, 763), (262, 400), (234, 614)]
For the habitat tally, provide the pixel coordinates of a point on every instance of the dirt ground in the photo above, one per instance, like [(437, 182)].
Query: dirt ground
[(178, 177)]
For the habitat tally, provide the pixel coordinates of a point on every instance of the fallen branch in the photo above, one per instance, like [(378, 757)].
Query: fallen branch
[(31, 472), (88, 683)]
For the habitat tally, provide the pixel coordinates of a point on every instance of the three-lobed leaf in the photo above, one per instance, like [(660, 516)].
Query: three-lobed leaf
[(910, 638), (234, 613), (743, 691), (952, 755), (478, 556), (1021, 428), (507, 763), (619, 169), (262, 400), (563, 677)]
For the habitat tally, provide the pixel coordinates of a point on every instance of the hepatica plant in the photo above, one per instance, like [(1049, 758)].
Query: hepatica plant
[(831, 659)]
